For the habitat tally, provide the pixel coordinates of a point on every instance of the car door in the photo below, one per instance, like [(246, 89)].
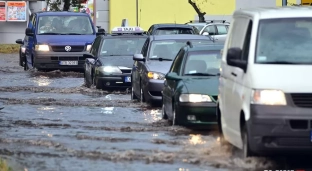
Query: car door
[(30, 39), (95, 51), (221, 32), (233, 77), (137, 69), (170, 85)]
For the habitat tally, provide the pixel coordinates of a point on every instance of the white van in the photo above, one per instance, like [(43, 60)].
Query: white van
[(265, 94)]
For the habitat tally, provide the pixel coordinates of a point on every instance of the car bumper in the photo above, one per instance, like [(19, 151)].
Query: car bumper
[(154, 89), (113, 81), (274, 129), (51, 60), (205, 113)]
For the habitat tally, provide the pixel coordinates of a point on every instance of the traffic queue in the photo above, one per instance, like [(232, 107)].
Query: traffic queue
[(237, 83)]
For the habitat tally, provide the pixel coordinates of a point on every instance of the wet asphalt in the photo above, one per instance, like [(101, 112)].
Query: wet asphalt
[(51, 122)]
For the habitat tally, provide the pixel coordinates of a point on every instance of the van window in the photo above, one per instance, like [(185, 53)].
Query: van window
[(246, 46), (75, 25), (284, 41)]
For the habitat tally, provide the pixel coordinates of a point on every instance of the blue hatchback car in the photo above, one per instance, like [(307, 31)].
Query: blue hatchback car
[(58, 40)]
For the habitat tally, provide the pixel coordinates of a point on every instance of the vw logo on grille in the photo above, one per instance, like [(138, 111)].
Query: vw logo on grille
[(67, 48)]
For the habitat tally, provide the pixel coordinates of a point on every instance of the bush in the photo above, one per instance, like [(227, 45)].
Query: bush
[(9, 48)]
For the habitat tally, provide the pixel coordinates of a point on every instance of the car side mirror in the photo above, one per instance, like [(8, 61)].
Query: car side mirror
[(88, 55), (138, 57), (172, 76), (29, 32), (19, 41), (101, 31), (205, 34), (233, 58)]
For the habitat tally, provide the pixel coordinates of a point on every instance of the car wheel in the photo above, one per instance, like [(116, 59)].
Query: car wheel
[(26, 65), (133, 96), (163, 112), (20, 59), (174, 117), (246, 149), (87, 83), (221, 136), (142, 99)]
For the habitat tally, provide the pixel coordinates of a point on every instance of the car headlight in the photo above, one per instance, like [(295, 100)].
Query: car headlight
[(268, 97), (110, 69), (88, 48), (155, 75), (23, 49), (194, 98), (42, 48)]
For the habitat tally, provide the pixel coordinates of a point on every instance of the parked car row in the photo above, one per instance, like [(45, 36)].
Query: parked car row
[(249, 85)]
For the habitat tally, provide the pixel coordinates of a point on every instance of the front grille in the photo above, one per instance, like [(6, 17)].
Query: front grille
[(73, 48), (126, 71), (302, 99), (68, 58)]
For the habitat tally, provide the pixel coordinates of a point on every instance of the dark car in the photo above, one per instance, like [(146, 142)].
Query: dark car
[(109, 63), (22, 54), (191, 87), (165, 29), (150, 67), (58, 40)]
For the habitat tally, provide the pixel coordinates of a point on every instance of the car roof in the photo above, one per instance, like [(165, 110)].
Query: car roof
[(276, 12), (179, 37), (172, 25), (206, 47), (60, 13), (197, 24)]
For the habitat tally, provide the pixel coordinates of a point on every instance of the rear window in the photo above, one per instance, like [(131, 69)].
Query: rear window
[(166, 31)]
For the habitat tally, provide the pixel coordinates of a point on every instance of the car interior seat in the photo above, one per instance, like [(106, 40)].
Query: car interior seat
[(195, 66)]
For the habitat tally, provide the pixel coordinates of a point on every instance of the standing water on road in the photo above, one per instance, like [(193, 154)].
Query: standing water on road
[(52, 122)]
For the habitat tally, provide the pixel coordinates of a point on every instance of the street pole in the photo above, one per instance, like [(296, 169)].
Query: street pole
[(284, 3), (137, 12)]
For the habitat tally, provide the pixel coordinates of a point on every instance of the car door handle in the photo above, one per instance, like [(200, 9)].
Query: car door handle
[(233, 74)]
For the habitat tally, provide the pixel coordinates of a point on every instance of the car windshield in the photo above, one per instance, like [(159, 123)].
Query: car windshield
[(284, 41), (168, 49), (203, 63), (166, 31), (72, 25), (199, 27), (122, 46)]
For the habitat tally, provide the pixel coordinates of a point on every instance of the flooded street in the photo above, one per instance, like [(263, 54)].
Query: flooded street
[(51, 122)]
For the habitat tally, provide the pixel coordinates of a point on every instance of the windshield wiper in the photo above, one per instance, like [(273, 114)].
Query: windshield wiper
[(71, 34), (161, 59), (202, 74), (278, 62), (50, 34)]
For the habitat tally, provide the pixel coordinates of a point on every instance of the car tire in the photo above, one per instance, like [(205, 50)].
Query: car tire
[(163, 112), (87, 83), (26, 65), (133, 96), (174, 117), (142, 99), (220, 132), (20, 59), (246, 149)]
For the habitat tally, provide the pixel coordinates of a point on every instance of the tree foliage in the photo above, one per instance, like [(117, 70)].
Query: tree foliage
[(196, 5), (55, 5)]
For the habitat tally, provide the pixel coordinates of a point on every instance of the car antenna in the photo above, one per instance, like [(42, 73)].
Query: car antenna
[(189, 44)]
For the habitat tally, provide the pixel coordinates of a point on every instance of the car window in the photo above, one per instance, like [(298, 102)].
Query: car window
[(168, 49), (286, 40), (176, 65), (122, 46), (95, 46), (206, 62), (64, 25), (168, 31), (221, 29), (210, 29)]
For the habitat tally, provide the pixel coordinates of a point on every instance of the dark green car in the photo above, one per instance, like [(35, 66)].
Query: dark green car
[(191, 86)]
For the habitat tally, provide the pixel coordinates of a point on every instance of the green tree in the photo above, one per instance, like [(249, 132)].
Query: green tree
[(195, 4)]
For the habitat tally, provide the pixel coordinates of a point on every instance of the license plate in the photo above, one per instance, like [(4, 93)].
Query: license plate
[(128, 79), (68, 62)]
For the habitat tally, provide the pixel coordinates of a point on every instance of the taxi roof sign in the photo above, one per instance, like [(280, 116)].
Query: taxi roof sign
[(127, 30)]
